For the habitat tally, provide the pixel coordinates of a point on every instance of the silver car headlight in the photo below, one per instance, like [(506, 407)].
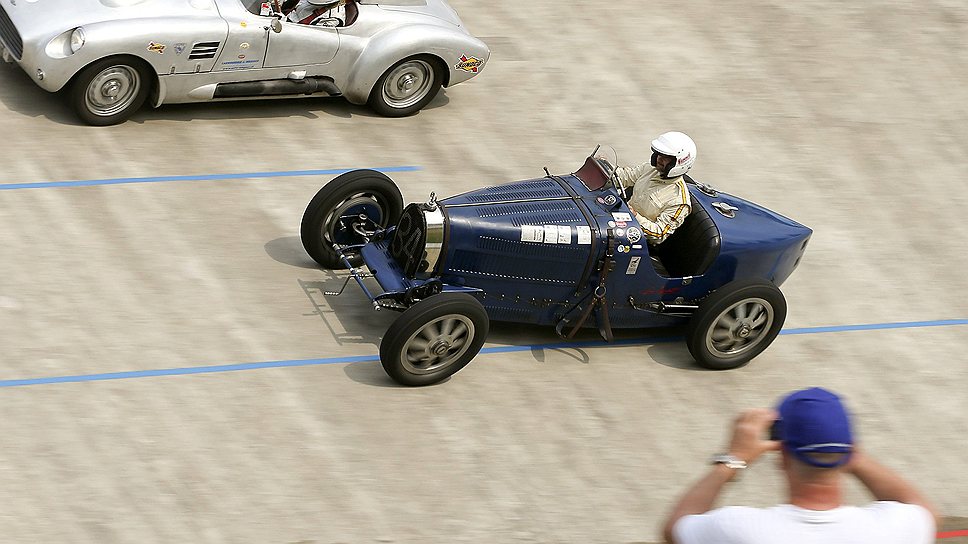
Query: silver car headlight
[(77, 39)]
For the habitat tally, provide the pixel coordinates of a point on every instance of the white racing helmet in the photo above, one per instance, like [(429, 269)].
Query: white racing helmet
[(678, 145)]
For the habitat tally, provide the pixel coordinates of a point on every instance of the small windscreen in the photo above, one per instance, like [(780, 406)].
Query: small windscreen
[(592, 175)]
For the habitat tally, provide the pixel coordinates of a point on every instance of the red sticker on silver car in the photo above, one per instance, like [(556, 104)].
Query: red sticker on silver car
[(469, 64)]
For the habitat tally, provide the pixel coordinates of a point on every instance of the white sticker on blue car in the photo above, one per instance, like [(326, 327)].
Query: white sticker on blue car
[(564, 234), (532, 233), (633, 266), (551, 234), (622, 216)]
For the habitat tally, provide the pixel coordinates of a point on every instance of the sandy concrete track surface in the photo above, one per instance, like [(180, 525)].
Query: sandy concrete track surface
[(851, 119)]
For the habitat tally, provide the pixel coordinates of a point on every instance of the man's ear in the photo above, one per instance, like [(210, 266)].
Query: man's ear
[(784, 460)]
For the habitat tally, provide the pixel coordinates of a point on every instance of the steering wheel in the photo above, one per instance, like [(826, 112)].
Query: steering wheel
[(612, 176)]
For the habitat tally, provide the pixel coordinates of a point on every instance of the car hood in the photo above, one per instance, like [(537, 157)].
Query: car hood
[(438, 9), (34, 21)]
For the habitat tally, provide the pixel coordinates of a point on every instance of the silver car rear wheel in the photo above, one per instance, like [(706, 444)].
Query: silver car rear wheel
[(407, 86), (408, 83)]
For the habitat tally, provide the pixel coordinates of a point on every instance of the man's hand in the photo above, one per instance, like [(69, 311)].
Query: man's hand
[(749, 441), (750, 431)]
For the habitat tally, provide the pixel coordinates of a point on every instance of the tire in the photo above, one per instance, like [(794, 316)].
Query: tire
[(110, 90), (735, 324), (347, 195), (406, 87), (434, 338)]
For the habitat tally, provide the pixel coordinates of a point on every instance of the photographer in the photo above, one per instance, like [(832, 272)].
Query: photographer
[(812, 431)]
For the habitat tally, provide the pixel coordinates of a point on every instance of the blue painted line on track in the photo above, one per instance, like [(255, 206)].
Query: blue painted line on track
[(485, 351), (201, 177)]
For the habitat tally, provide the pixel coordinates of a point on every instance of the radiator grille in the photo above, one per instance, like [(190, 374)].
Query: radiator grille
[(10, 36), (204, 50)]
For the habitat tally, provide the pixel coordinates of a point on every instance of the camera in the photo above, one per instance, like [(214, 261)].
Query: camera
[(775, 431)]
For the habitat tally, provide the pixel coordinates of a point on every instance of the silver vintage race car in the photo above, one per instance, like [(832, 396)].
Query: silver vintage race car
[(112, 55)]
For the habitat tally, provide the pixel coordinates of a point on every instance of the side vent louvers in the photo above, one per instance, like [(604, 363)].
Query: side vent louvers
[(204, 50)]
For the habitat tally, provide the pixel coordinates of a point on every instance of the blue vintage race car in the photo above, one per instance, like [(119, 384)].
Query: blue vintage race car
[(563, 251)]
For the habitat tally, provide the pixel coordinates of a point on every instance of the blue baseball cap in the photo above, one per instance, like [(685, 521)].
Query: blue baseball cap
[(815, 421)]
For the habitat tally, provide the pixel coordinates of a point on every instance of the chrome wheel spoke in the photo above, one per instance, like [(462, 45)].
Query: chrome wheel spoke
[(727, 322), (760, 321), (419, 344)]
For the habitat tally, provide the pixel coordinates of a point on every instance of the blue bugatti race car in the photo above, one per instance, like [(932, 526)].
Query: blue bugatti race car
[(561, 250)]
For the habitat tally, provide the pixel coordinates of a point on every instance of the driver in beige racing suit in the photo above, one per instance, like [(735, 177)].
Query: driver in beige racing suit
[(660, 200)]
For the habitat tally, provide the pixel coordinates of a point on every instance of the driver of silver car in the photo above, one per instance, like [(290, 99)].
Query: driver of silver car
[(315, 12), (660, 199)]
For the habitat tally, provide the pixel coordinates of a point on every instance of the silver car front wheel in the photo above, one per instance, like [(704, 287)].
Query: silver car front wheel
[(109, 91), (112, 91)]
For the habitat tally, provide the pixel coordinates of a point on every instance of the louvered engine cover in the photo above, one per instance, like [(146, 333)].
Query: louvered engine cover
[(530, 231)]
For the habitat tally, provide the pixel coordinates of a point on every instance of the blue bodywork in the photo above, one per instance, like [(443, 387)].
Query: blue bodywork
[(532, 251)]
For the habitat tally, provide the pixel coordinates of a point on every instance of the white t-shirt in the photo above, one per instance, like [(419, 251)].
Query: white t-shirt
[(884, 522)]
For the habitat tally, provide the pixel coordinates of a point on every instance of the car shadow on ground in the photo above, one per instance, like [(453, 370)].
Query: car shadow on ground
[(289, 250), (19, 94), (665, 346), (668, 350)]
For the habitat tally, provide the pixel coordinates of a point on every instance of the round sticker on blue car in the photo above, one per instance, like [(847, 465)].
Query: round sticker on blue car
[(634, 234)]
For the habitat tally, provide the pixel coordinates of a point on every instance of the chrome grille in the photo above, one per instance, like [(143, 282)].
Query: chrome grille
[(204, 50), (10, 36)]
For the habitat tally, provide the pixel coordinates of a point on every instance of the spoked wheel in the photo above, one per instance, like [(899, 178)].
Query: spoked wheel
[(348, 206), (406, 87), (434, 338), (109, 91), (736, 323)]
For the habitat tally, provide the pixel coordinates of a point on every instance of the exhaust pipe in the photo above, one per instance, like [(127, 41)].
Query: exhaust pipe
[(275, 87)]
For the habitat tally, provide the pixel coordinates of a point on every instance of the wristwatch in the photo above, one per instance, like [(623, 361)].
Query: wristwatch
[(731, 461)]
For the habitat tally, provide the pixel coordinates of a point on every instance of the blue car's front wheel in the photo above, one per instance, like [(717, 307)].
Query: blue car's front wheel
[(434, 338), (350, 204)]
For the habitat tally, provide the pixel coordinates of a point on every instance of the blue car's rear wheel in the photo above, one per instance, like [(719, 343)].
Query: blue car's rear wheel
[(354, 202), (736, 323), (434, 338)]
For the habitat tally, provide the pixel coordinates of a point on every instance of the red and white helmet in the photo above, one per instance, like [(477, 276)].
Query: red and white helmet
[(679, 146)]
